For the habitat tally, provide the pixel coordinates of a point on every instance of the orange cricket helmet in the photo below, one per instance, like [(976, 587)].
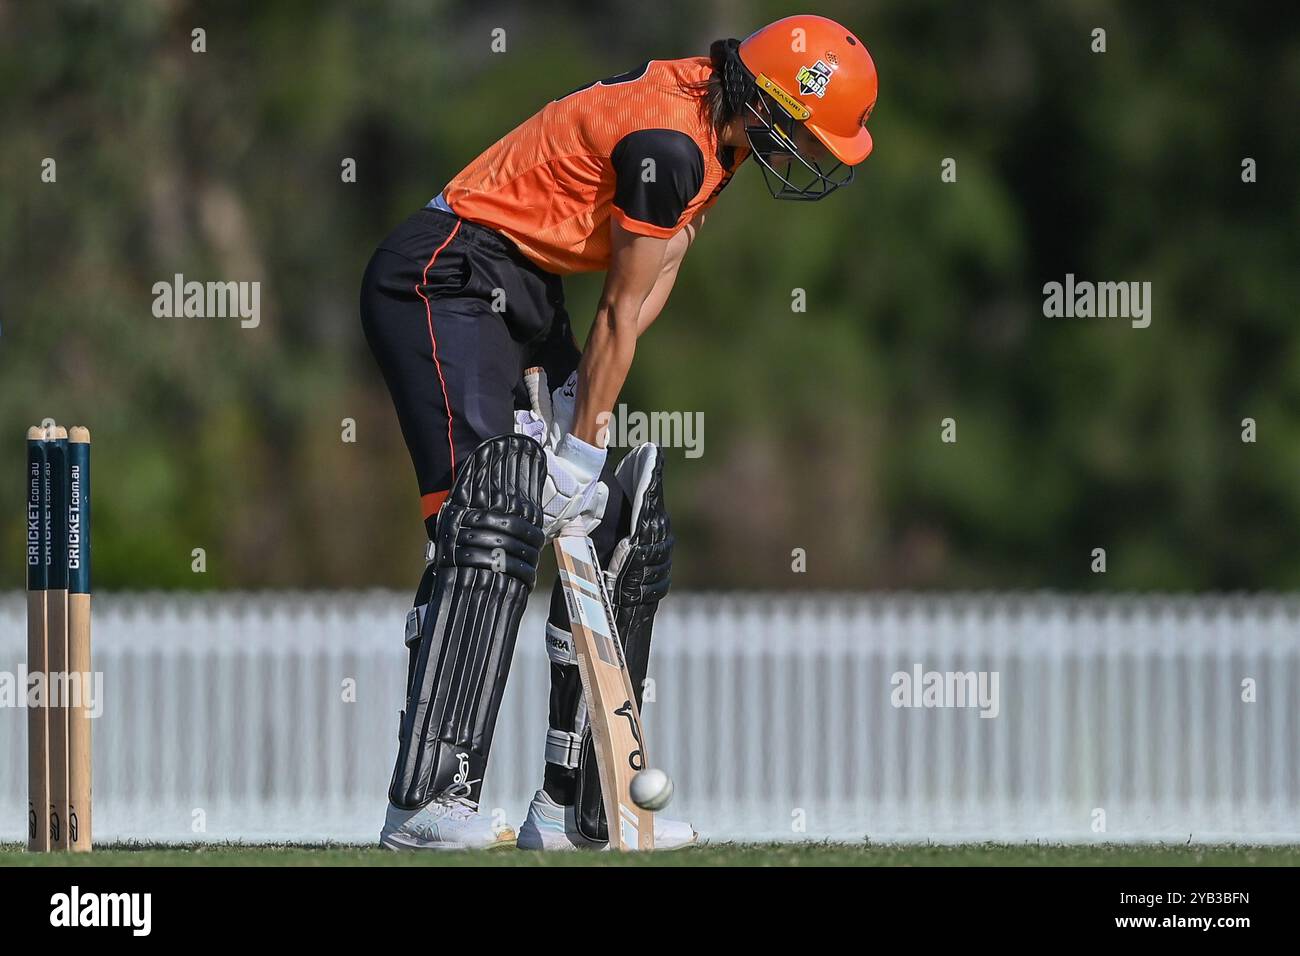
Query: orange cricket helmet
[(809, 70)]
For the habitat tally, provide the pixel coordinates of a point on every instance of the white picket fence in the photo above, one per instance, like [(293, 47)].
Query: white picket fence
[(229, 717)]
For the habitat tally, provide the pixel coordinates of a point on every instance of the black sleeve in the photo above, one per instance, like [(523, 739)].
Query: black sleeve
[(675, 177)]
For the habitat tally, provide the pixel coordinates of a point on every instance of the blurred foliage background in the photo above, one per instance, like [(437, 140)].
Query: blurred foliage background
[(822, 428)]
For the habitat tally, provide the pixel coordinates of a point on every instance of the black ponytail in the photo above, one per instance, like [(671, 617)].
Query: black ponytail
[(731, 85)]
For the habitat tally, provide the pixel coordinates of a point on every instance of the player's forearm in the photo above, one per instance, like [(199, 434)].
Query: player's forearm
[(604, 366), (658, 297), (663, 287), (641, 273)]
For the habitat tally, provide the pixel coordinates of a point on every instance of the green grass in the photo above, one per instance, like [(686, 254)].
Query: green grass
[(722, 854)]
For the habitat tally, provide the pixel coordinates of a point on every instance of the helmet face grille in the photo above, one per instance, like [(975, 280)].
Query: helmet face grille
[(788, 173)]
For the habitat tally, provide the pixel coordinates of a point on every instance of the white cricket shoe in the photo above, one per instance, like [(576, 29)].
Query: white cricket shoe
[(550, 826), (445, 823)]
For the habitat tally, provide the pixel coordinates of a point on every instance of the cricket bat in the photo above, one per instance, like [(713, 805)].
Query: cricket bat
[(611, 706)]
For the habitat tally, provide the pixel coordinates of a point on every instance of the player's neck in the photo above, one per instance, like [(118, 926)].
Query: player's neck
[(733, 133)]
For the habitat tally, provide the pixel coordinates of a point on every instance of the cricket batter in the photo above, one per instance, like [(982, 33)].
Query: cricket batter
[(467, 293)]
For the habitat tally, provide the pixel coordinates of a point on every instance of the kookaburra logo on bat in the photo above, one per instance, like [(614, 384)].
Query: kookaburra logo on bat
[(636, 759)]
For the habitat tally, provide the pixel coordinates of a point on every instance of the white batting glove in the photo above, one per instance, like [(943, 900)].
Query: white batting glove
[(531, 424), (574, 497), (564, 401)]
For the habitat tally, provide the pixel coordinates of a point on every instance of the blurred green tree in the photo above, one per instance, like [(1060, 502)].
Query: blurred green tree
[(924, 298)]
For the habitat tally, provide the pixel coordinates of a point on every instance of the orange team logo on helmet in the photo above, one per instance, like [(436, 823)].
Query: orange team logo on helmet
[(819, 73), (813, 79)]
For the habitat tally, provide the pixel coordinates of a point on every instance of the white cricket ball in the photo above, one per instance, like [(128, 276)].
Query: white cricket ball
[(651, 789)]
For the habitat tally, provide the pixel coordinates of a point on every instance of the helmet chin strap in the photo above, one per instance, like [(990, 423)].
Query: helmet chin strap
[(777, 154)]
